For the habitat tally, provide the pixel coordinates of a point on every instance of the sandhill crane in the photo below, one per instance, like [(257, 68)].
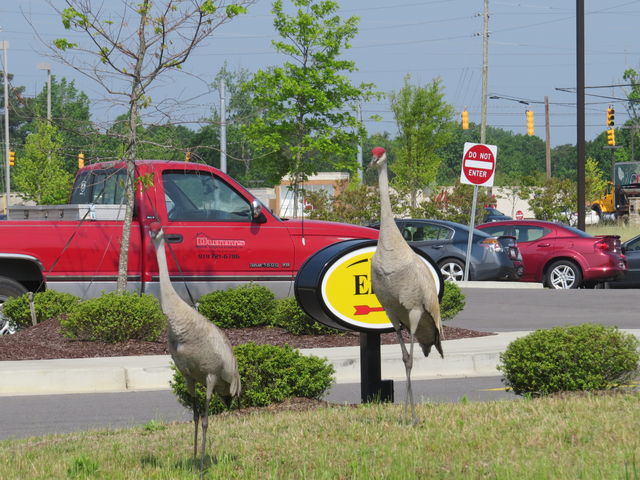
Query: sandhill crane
[(200, 350), (403, 283)]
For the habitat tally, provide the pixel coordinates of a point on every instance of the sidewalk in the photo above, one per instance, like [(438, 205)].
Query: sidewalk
[(464, 357)]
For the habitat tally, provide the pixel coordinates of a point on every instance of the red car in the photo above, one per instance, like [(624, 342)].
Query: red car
[(561, 256)]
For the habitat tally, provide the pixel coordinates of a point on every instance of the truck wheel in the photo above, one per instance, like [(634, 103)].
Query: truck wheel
[(563, 274), (8, 288)]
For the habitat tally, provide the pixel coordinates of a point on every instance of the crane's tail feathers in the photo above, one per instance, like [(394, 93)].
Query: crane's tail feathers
[(426, 348), (235, 388)]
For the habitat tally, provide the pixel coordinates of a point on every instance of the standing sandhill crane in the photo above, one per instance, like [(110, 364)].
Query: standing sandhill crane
[(403, 283), (200, 350)]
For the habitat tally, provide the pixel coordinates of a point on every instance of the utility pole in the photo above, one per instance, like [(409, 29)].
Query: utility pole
[(483, 127), (7, 177), (223, 128), (547, 136), (485, 73), (580, 110), (360, 164), (47, 67)]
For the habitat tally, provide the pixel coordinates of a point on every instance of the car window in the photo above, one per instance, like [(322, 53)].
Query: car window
[(529, 233), (421, 232), (198, 197), (498, 230)]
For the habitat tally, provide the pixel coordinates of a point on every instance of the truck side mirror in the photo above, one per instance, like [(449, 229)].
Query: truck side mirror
[(256, 212)]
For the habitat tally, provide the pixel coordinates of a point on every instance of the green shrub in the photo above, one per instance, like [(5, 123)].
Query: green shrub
[(453, 301), (47, 304), (290, 316), (584, 357), (269, 374), (244, 306), (115, 317)]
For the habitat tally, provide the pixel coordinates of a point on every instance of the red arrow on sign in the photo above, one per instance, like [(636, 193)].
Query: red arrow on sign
[(478, 164), (366, 309)]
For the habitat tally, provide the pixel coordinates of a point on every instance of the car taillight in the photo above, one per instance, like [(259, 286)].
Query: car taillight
[(492, 243), (602, 245)]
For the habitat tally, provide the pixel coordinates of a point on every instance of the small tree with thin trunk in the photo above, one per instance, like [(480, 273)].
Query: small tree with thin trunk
[(424, 127), (126, 49), (307, 106)]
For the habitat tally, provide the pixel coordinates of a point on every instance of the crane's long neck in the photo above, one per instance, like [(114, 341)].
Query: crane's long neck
[(389, 233), (168, 295)]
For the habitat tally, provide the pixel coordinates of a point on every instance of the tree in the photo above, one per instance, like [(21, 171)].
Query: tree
[(126, 52), (595, 181), (70, 115), (307, 106), (40, 175), (424, 126), (555, 200)]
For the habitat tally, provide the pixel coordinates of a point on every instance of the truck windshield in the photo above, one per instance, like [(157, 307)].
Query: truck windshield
[(200, 196)]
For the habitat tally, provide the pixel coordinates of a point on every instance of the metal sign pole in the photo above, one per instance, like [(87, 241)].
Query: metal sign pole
[(472, 224)]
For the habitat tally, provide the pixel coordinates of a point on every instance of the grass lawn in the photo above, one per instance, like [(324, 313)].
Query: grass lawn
[(583, 436)]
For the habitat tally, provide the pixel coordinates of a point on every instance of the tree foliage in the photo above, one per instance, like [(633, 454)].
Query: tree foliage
[(424, 126), (307, 105), (70, 114), (39, 172)]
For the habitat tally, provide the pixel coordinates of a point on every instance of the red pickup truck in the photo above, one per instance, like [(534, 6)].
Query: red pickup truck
[(219, 235)]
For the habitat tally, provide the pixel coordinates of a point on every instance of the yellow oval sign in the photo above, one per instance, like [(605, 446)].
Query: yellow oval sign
[(347, 293)]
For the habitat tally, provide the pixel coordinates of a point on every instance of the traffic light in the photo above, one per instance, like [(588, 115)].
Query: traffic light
[(610, 116), (465, 119), (80, 160), (12, 159), (187, 156), (530, 130), (611, 136)]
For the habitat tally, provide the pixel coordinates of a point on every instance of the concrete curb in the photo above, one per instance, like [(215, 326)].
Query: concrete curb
[(466, 357), (463, 357)]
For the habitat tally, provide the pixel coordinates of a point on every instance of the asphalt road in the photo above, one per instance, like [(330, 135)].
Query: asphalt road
[(27, 416), (508, 310)]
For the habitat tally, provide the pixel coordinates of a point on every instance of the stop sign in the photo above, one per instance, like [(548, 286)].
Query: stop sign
[(478, 164)]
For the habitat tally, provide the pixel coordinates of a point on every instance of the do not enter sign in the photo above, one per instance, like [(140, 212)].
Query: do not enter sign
[(478, 164)]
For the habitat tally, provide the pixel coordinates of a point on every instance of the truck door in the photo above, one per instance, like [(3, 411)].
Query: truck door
[(216, 242)]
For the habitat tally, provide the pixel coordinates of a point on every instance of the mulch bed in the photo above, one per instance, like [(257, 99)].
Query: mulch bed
[(44, 341)]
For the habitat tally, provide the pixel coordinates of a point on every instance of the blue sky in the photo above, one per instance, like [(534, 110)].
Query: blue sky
[(531, 54)]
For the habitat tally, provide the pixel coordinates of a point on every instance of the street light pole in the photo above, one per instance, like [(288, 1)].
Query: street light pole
[(7, 177)]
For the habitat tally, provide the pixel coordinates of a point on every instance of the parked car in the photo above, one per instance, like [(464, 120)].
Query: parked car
[(446, 243), (631, 279), (493, 215), (561, 256)]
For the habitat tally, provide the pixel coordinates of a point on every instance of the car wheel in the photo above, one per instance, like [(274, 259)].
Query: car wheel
[(452, 269), (563, 274), (8, 288)]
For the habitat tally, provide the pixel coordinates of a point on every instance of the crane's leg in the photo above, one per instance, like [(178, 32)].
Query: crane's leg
[(414, 319), (211, 381), (408, 361), (414, 419), (191, 388)]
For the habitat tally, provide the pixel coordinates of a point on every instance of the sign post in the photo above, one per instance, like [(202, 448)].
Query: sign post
[(333, 286), (478, 169)]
